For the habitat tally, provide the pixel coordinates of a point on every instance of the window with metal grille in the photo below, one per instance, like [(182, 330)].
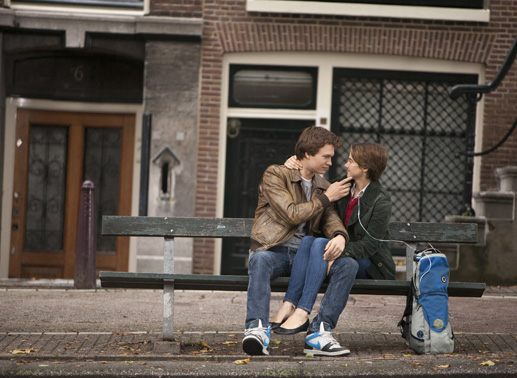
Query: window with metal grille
[(423, 129)]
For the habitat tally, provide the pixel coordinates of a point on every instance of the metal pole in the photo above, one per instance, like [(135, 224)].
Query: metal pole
[(85, 265), (168, 290), (472, 99)]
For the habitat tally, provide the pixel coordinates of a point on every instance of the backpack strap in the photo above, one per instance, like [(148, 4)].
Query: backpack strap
[(403, 324)]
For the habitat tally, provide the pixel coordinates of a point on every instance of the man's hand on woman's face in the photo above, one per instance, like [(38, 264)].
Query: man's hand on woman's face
[(338, 190)]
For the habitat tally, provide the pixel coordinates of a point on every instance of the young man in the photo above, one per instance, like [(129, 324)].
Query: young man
[(293, 204)]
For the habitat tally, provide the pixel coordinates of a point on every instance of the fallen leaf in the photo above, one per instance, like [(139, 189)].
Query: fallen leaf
[(309, 355), (487, 363), (444, 366), (23, 351), (417, 363), (241, 362), (42, 365), (129, 362), (407, 355), (277, 342), (206, 347)]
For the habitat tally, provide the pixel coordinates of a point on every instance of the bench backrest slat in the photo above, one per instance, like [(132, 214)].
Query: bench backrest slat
[(176, 227), (241, 227)]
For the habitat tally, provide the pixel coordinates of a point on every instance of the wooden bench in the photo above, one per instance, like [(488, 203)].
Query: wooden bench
[(170, 228)]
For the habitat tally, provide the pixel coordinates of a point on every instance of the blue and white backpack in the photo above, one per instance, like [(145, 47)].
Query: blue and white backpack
[(425, 323)]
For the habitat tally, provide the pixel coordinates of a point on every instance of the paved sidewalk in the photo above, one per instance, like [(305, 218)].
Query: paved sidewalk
[(50, 329)]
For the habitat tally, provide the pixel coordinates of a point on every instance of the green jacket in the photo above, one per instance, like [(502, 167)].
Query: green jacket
[(375, 215)]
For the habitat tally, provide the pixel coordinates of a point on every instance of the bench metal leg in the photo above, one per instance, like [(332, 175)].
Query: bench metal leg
[(410, 252), (168, 290)]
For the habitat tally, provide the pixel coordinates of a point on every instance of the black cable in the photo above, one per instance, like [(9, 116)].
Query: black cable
[(494, 147)]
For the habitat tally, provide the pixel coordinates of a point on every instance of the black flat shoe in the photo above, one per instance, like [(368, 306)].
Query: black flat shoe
[(287, 331), (275, 325)]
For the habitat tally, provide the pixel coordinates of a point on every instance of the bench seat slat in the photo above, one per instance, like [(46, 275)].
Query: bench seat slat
[(176, 227), (240, 283), (413, 232)]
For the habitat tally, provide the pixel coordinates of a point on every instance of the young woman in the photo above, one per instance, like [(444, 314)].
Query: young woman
[(365, 211)]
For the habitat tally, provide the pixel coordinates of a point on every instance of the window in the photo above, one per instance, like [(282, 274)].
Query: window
[(120, 4), (272, 87), (423, 129), (451, 10)]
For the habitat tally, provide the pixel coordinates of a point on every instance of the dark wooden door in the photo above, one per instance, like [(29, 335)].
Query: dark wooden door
[(55, 153), (252, 145)]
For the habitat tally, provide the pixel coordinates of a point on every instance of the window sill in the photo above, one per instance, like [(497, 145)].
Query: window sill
[(368, 10)]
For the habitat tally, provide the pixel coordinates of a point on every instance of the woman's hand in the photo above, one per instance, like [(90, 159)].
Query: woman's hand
[(334, 248), (293, 163)]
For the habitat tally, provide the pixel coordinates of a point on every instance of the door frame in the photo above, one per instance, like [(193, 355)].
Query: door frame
[(12, 106), (326, 62)]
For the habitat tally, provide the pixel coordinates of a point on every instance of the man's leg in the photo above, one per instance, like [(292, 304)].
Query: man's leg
[(341, 278), (263, 266), (319, 340)]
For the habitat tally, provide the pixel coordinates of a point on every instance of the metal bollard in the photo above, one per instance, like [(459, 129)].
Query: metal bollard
[(85, 267)]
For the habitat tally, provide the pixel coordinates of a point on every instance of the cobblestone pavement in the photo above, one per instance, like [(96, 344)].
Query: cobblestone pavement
[(57, 331)]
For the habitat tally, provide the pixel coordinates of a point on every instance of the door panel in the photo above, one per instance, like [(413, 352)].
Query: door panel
[(56, 152), (46, 188)]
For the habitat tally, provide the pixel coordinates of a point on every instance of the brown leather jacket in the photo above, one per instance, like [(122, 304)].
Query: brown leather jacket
[(282, 206)]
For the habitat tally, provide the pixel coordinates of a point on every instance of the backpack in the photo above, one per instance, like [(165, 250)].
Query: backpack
[(425, 323)]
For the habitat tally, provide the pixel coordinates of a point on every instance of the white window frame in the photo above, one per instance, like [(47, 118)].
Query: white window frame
[(326, 62), (370, 10), (78, 9)]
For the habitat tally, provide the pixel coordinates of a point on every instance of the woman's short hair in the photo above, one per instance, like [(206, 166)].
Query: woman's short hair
[(312, 139), (372, 156)]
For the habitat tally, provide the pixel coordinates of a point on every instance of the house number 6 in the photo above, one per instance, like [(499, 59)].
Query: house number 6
[(78, 73)]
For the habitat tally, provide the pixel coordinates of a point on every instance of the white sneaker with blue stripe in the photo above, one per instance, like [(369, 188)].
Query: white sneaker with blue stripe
[(322, 343), (256, 339)]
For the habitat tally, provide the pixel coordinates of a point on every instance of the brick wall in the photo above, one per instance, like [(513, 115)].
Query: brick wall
[(176, 8), (229, 28)]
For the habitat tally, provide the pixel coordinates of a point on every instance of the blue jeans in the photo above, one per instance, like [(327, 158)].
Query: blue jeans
[(308, 273), (263, 266), (363, 265)]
